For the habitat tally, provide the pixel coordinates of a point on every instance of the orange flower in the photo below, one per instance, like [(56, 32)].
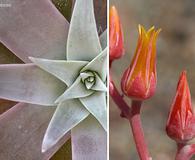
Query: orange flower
[(116, 48), (181, 121), (139, 80)]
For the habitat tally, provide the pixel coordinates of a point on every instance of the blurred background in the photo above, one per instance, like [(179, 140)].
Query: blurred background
[(175, 52)]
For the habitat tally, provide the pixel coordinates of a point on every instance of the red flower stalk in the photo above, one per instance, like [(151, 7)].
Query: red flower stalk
[(139, 80), (116, 48), (181, 121)]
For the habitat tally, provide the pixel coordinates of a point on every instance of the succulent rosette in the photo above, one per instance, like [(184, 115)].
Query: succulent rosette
[(65, 73)]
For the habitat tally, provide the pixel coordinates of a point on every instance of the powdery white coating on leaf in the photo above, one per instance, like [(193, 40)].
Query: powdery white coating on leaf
[(99, 85), (89, 141), (76, 90), (83, 41), (96, 105), (86, 47), (98, 64), (67, 115), (33, 28), (66, 71), (30, 28), (28, 83)]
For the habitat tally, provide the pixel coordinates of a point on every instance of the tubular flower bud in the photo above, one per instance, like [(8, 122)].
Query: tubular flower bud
[(181, 121), (116, 48), (139, 79)]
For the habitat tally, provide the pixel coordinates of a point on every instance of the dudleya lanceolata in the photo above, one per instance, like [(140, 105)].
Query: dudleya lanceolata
[(75, 84)]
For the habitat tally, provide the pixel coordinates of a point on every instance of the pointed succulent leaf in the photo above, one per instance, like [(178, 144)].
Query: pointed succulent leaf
[(85, 75), (83, 41), (76, 90), (99, 85), (88, 140), (20, 140), (103, 39), (66, 71), (28, 83), (28, 31), (96, 105), (67, 115), (98, 64)]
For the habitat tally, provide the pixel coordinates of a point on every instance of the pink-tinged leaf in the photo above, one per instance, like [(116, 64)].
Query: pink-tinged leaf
[(89, 140), (83, 41), (33, 28), (22, 131), (28, 83)]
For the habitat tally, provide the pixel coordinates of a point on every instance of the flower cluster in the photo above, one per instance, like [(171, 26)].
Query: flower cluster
[(139, 83)]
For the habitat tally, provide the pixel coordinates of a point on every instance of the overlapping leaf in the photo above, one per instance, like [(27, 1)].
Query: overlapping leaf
[(85, 51)]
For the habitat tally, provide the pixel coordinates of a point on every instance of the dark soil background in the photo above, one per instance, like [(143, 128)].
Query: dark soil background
[(175, 52)]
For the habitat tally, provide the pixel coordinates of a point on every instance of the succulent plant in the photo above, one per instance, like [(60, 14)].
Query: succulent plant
[(66, 73)]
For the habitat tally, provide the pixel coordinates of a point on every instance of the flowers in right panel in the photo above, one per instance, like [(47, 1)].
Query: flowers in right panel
[(142, 85)]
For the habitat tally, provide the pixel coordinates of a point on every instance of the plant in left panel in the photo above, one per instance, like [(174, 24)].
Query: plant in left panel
[(53, 71)]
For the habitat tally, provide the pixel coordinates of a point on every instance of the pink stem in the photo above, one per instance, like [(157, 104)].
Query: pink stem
[(137, 130), (133, 115), (118, 99), (185, 152)]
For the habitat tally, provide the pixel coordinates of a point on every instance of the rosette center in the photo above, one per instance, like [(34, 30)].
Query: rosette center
[(88, 78)]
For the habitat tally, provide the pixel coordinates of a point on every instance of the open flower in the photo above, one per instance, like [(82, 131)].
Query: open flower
[(181, 121), (75, 85), (139, 79), (116, 48)]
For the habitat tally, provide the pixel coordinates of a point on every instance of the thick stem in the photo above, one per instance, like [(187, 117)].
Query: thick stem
[(133, 115), (137, 130), (185, 152)]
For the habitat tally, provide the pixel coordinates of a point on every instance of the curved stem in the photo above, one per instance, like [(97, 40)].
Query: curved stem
[(185, 152), (133, 115), (118, 99)]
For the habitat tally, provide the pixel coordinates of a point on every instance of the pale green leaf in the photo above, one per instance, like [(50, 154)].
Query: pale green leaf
[(66, 71), (76, 90), (83, 41), (96, 105), (67, 115), (98, 64), (99, 85)]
